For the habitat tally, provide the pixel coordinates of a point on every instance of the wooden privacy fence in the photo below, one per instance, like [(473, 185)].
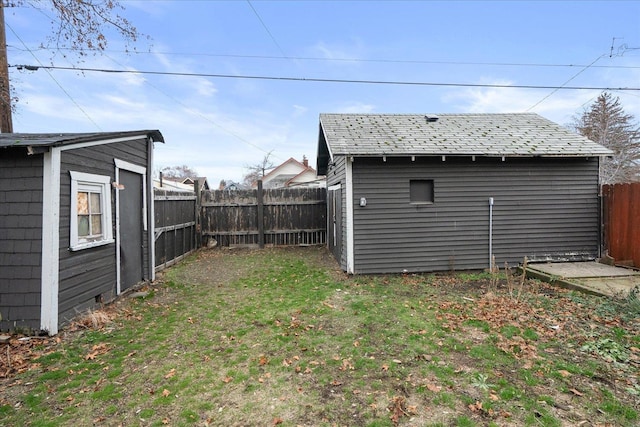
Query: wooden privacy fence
[(621, 217), (175, 226), (273, 217)]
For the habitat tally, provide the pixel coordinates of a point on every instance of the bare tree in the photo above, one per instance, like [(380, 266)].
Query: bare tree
[(606, 123), (257, 171), (81, 26), (78, 27), (178, 173)]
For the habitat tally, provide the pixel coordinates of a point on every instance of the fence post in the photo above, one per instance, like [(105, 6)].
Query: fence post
[(260, 215), (198, 229)]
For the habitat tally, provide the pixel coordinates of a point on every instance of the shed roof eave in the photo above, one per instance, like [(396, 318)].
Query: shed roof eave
[(488, 155), (61, 139)]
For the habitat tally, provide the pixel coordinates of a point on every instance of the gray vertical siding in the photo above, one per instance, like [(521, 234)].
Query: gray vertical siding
[(336, 174), (90, 274), (544, 208), (20, 239)]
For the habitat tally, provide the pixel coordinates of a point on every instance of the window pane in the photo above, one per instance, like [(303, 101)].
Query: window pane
[(95, 203), (96, 225), (83, 225), (421, 191), (83, 203)]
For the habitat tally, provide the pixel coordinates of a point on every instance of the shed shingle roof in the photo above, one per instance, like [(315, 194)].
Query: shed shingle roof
[(58, 139), (516, 134)]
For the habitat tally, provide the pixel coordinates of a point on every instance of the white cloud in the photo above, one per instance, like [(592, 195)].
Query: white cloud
[(342, 53), (299, 110), (355, 108), (559, 106), (204, 87)]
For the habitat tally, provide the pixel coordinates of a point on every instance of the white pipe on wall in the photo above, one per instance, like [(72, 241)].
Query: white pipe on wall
[(490, 233)]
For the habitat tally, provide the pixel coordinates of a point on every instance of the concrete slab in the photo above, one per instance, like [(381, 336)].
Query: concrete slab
[(590, 277)]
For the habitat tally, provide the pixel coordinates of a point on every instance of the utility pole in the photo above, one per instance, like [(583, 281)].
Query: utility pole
[(6, 122)]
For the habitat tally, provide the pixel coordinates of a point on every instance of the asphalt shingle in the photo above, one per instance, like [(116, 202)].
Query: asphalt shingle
[(515, 134)]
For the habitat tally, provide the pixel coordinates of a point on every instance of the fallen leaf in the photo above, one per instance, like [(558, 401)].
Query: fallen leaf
[(165, 392), (564, 373), (397, 409), (475, 406), (576, 392), (97, 350), (263, 361), (227, 380), (170, 374), (385, 367), (434, 388), (277, 421)]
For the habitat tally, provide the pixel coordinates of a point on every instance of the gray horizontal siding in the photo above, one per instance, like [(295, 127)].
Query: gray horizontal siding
[(90, 274), (20, 239), (543, 208)]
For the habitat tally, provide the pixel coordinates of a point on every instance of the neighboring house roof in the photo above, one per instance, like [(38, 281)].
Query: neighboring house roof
[(516, 134), (232, 186), (38, 142), (202, 180), (307, 175), (288, 172), (168, 184)]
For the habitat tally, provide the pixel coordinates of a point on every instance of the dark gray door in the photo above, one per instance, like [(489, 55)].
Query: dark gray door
[(335, 222), (131, 260)]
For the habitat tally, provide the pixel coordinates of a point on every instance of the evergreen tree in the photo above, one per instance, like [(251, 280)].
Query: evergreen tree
[(606, 123)]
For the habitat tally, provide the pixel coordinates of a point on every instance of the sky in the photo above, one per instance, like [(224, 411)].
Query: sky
[(230, 82)]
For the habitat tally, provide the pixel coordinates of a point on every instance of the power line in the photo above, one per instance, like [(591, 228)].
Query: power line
[(273, 39), (202, 116), (56, 81), (564, 84), (361, 60), (320, 80)]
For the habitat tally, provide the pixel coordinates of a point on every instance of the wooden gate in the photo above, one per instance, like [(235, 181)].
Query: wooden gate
[(175, 226), (621, 218)]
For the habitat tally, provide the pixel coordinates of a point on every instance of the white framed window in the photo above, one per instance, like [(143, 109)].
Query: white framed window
[(90, 211)]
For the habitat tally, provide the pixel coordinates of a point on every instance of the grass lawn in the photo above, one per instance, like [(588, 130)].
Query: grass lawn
[(282, 337)]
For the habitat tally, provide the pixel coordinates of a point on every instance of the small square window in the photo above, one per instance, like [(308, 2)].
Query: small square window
[(90, 210), (421, 191)]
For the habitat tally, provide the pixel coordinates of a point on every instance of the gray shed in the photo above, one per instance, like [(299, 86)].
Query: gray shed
[(418, 193), (76, 223)]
